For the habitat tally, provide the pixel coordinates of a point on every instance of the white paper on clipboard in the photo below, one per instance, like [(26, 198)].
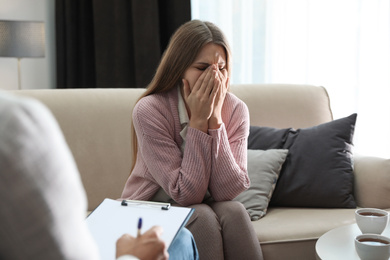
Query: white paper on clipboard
[(110, 220)]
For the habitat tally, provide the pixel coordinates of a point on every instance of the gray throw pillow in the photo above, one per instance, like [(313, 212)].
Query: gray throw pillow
[(263, 171)]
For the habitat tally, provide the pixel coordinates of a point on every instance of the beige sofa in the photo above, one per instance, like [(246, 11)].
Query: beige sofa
[(96, 124)]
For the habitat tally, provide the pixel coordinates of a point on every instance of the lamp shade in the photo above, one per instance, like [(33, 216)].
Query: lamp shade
[(22, 39)]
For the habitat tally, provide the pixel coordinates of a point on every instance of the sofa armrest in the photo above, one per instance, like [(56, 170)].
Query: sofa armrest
[(372, 182)]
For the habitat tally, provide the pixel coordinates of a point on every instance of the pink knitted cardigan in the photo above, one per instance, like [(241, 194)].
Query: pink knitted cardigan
[(216, 161)]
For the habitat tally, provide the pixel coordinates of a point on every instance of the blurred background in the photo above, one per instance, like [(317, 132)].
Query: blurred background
[(343, 45)]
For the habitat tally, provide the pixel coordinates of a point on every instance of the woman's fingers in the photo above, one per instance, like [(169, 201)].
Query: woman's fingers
[(203, 79), (205, 98), (186, 89), (223, 78), (211, 83)]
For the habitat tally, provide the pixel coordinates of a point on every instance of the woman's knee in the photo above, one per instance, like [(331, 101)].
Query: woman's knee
[(205, 226), (230, 211), (232, 207), (203, 215)]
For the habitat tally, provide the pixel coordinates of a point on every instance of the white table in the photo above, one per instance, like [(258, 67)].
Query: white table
[(339, 243)]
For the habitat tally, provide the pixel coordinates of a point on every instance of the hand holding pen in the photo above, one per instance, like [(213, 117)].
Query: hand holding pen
[(145, 246)]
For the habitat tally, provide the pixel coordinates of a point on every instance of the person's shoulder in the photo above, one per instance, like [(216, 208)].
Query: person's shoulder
[(156, 103), (151, 102), (155, 107), (12, 101), (153, 99), (234, 101), (18, 106)]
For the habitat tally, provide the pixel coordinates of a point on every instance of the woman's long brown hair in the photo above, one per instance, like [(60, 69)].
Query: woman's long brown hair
[(183, 48)]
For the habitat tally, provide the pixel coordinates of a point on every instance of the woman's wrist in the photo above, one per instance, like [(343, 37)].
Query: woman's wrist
[(215, 122), (201, 125)]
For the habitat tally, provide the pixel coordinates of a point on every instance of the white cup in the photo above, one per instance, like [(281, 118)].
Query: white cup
[(372, 247), (371, 220)]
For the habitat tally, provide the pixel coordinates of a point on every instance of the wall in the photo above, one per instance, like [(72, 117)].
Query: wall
[(35, 72)]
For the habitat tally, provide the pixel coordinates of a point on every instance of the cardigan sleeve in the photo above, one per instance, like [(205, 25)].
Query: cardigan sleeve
[(184, 177), (229, 175)]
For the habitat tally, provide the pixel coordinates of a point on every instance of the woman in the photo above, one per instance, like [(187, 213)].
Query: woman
[(191, 141)]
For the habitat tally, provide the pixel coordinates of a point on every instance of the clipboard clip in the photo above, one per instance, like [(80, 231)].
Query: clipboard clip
[(163, 205)]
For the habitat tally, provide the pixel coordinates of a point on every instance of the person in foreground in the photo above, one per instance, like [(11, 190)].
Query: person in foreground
[(43, 201), (191, 142)]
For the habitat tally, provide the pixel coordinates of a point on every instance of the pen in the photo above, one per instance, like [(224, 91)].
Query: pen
[(139, 227)]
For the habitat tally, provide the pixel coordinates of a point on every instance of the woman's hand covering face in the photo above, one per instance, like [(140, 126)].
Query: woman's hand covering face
[(205, 84)]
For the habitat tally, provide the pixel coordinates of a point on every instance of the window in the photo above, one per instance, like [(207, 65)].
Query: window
[(341, 45)]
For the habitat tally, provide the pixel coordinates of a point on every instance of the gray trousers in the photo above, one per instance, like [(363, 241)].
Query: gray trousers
[(223, 230)]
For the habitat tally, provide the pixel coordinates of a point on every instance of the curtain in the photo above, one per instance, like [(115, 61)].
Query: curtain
[(341, 45), (116, 43)]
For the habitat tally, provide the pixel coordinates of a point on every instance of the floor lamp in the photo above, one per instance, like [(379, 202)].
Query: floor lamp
[(22, 39)]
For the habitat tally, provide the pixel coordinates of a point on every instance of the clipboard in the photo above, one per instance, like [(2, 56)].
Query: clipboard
[(113, 218)]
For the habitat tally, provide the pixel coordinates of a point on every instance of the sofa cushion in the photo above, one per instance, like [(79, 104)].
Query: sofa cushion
[(263, 170), (292, 224), (318, 171)]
